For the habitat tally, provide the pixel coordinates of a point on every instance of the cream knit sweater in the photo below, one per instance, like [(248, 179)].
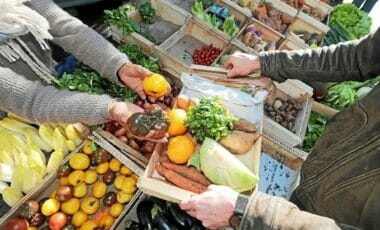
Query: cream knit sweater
[(23, 94)]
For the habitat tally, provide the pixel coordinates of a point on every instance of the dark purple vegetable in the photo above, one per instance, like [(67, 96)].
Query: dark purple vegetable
[(29, 209), (109, 199), (37, 220), (168, 101)]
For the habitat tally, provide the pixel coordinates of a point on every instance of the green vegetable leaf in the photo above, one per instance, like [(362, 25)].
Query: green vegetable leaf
[(147, 12), (195, 161)]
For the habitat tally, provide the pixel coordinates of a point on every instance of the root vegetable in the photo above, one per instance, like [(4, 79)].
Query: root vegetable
[(245, 126), (180, 180), (164, 158), (148, 147), (286, 18), (188, 172), (124, 139), (238, 142), (132, 143)]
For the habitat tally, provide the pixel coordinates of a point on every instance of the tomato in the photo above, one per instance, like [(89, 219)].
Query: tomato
[(115, 165), (90, 205), (87, 147), (79, 161), (102, 168), (129, 185), (71, 206), (116, 210), (118, 183), (79, 218), (64, 181), (99, 189), (57, 221), (50, 206), (80, 190), (125, 170), (76, 177), (88, 225), (64, 170), (123, 197), (90, 177), (106, 222)]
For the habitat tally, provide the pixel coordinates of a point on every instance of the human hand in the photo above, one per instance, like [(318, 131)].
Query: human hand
[(133, 75), (121, 111), (241, 64), (213, 207)]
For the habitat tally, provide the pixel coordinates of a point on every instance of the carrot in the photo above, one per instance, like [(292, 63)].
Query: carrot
[(262, 9), (188, 172), (180, 180), (164, 158)]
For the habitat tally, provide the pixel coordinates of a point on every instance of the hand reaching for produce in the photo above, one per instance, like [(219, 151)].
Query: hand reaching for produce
[(121, 111), (241, 64), (133, 75), (213, 207)]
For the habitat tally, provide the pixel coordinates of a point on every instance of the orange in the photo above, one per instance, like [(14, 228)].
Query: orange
[(177, 119), (180, 149), (155, 85)]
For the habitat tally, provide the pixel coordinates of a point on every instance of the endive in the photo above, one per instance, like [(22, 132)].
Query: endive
[(11, 196), (59, 141)]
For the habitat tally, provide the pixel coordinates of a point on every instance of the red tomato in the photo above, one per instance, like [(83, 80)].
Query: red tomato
[(57, 221)]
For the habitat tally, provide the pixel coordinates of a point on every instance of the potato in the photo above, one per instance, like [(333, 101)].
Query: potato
[(245, 126), (238, 142)]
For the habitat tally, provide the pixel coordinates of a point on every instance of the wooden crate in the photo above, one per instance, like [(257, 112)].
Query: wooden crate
[(184, 5), (50, 182), (304, 22), (291, 43), (176, 52), (326, 9), (168, 20), (269, 34)]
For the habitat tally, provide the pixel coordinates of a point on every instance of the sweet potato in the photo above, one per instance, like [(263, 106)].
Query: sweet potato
[(238, 142), (164, 158), (188, 172), (180, 180), (245, 126)]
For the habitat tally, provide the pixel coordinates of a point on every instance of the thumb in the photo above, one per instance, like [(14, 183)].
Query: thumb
[(143, 72), (187, 204), (232, 73), (228, 64)]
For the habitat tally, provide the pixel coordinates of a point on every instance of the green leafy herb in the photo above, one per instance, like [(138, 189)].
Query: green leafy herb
[(137, 56), (209, 119), (315, 128), (199, 12), (229, 26), (147, 12)]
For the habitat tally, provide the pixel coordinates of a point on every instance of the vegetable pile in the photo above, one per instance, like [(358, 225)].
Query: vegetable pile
[(311, 39), (253, 38), (283, 112), (355, 21), (147, 12), (315, 128), (137, 55), (29, 152), (93, 189), (206, 55), (274, 18), (313, 12)]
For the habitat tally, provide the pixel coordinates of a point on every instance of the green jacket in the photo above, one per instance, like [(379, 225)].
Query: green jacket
[(340, 179)]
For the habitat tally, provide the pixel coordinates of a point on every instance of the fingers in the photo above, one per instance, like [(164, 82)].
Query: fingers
[(143, 72), (188, 204), (228, 64), (232, 73)]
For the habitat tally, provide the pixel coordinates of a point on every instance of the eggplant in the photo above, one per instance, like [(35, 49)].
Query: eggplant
[(178, 217), (144, 214), (159, 202), (161, 223)]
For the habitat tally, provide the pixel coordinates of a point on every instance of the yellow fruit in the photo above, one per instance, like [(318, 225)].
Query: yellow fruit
[(79, 161), (115, 165), (102, 168), (64, 181), (134, 176), (129, 185), (88, 225), (99, 189), (87, 148), (116, 209), (50, 206), (123, 197), (53, 193), (80, 190), (125, 170), (76, 177), (31, 228), (118, 183), (183, 102), (79, 218), (155, 85), (180, 149), (90, 177), (106, 222), (71, 206), (90, 205), (177, 119)]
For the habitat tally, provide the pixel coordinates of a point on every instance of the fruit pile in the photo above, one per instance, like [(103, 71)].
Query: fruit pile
[(93, 189), (206, 55)]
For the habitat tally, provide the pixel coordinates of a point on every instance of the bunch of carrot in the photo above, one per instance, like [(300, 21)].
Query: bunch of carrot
[(182, 176)]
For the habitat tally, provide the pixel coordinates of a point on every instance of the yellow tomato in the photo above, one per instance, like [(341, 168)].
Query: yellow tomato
[(116, 209), (90, 205), (134, 176), (90, 177), (50, 206), (87, 148), (79, 161), (118, 183), (99, 189), (115, 165), (129, 185), (32, 228), (123, 197), (76, 177), (80, 190), (71, 206), (79, 218), (106, 222), (88, 225), (64, 181), (125, 170), (102, 168)]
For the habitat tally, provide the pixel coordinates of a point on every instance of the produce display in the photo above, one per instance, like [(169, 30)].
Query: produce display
[(311, 39), (283, 112), (217, 16), (147, 12), (315, 129), (272, 17), (314, 12), (29, 152), (253, 38), (93, 189), (206, 55)]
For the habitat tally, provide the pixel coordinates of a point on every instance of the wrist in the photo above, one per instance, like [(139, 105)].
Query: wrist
[(240, 206), (123, 70)]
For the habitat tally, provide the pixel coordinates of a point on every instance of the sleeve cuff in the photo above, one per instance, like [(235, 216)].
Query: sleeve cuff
[(114, 66)]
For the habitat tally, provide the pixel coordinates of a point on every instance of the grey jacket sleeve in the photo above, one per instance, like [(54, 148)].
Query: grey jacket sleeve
[(38, 103), (269, 212), (356, 60), (77, 38)]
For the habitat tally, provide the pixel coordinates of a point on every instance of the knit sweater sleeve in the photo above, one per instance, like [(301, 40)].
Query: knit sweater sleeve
[(38, 103), (77, 38)]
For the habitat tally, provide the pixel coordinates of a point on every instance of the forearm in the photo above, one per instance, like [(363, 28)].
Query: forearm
[(269, 212), (76, 38), (356, 60), (41, 104)]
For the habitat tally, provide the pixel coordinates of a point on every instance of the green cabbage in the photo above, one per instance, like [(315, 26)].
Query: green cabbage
[(222, 168)]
